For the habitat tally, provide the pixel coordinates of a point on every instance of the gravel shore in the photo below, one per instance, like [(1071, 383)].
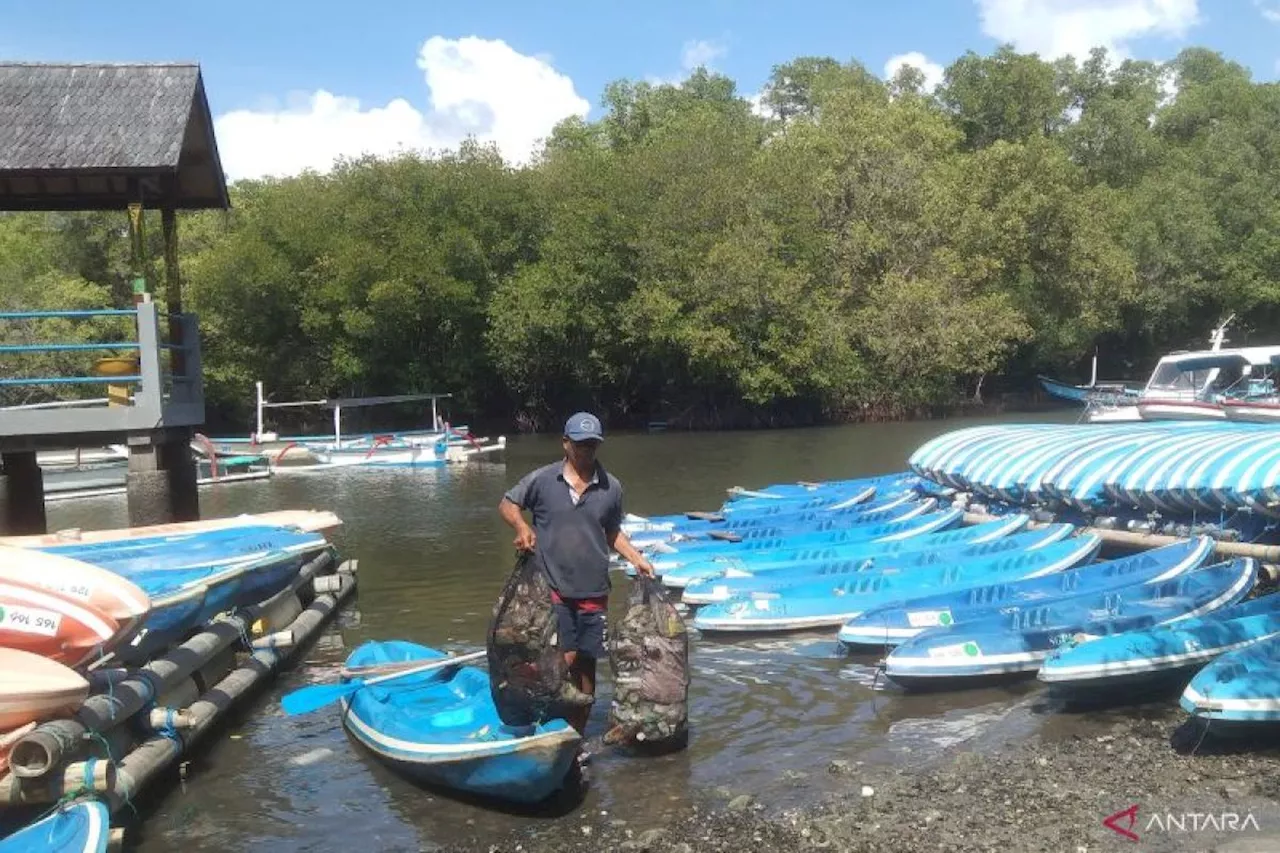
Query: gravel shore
[(1039, 781)]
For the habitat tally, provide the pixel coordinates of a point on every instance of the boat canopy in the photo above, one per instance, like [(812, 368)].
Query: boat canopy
[(1214, 371)]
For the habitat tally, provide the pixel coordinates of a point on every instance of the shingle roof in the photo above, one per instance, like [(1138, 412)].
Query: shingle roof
[(95, 134)]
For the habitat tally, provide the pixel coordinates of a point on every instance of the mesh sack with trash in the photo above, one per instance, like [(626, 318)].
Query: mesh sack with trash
[(649, 654), (527, 669)]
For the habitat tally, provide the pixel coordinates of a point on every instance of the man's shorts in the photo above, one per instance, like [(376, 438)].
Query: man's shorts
[(581, 630)]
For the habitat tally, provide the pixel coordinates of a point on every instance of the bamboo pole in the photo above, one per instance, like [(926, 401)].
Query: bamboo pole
[(39, 752), (96, 776), (1130, 541)]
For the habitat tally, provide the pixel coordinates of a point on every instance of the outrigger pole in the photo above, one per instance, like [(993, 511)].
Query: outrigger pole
[(338, 403)]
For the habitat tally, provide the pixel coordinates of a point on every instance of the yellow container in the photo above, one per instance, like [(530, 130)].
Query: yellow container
[(121, 365)]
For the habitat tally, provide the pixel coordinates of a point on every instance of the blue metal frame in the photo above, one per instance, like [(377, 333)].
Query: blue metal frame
[(159, 398), (90, 347), (67, 347), (37, 315)]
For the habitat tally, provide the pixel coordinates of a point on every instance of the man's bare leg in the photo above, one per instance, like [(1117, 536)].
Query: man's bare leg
[(582, 672)]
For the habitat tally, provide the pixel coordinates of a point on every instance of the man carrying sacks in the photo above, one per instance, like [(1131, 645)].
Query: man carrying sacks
[(577, 518)]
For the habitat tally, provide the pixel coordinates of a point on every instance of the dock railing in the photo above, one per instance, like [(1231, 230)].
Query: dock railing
[(165, 389)]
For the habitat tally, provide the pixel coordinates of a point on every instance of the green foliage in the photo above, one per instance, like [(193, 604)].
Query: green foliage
[(39, 270), (860, 246)]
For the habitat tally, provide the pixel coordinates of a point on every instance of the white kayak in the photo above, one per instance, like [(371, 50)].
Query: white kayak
[(34, 688)]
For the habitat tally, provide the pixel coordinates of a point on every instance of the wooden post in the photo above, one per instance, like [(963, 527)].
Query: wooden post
[(173, 287), (161, 483), (21, 494), (137, 253)]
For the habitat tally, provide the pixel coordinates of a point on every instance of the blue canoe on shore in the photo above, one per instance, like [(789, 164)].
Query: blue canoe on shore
[(1242, 686), (441, 727), (1163, 654), (898, 622), (1015, 644), (81, 827)]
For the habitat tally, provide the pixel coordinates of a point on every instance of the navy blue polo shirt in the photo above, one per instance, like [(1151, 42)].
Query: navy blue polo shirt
[(573, 538)]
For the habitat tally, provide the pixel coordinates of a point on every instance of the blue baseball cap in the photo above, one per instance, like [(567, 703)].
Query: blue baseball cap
[(583, 426)]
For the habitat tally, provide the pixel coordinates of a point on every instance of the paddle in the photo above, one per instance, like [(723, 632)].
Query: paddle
[(316, 696), (697, 515), (349, 672)]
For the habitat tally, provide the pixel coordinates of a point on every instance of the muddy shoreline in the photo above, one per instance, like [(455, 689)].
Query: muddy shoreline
[(1039, 780)]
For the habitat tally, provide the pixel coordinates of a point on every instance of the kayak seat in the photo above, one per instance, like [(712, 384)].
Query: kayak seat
[(453, 717)]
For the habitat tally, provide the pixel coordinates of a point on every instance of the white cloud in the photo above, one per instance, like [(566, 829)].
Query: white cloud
[(696, 53), (1268, 10), (932, 71), (477, 88), (1054, 28), (699, 52), (758, 106)]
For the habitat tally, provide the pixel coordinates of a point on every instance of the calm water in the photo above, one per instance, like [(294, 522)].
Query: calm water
[(768, 715)]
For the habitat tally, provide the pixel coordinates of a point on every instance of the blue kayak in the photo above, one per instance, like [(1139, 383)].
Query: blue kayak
[(1015, 644), (900, 621), (164, 540), (764, 539), (441, 727), (903, 505), (186, 596), (1242, 686), (835, 602), (635, 524), (1173, 651), (750, 562), (788, 528), (879, 510), (783, 491), (808, 572), (203, 548), (81, 827)]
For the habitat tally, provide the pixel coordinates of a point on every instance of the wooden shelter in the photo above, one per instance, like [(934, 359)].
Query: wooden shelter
[(100, 137), (127, 137)]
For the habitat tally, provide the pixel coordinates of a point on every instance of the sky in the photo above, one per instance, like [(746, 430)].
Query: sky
[(293, 85)]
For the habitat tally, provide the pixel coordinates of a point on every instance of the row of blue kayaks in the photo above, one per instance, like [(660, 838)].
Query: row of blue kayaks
[(1168, 467), (891, 567)]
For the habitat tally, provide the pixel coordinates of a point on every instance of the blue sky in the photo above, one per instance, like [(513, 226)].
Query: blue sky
[(294, 84)]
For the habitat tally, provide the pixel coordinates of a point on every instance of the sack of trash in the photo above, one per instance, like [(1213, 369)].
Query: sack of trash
[(527, 670), (649, 653)]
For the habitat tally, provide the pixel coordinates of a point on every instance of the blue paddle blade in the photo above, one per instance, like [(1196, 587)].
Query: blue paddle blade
[(316, 696)]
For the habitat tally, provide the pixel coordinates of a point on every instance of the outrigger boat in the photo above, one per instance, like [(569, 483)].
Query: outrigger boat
[(437, 445)]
